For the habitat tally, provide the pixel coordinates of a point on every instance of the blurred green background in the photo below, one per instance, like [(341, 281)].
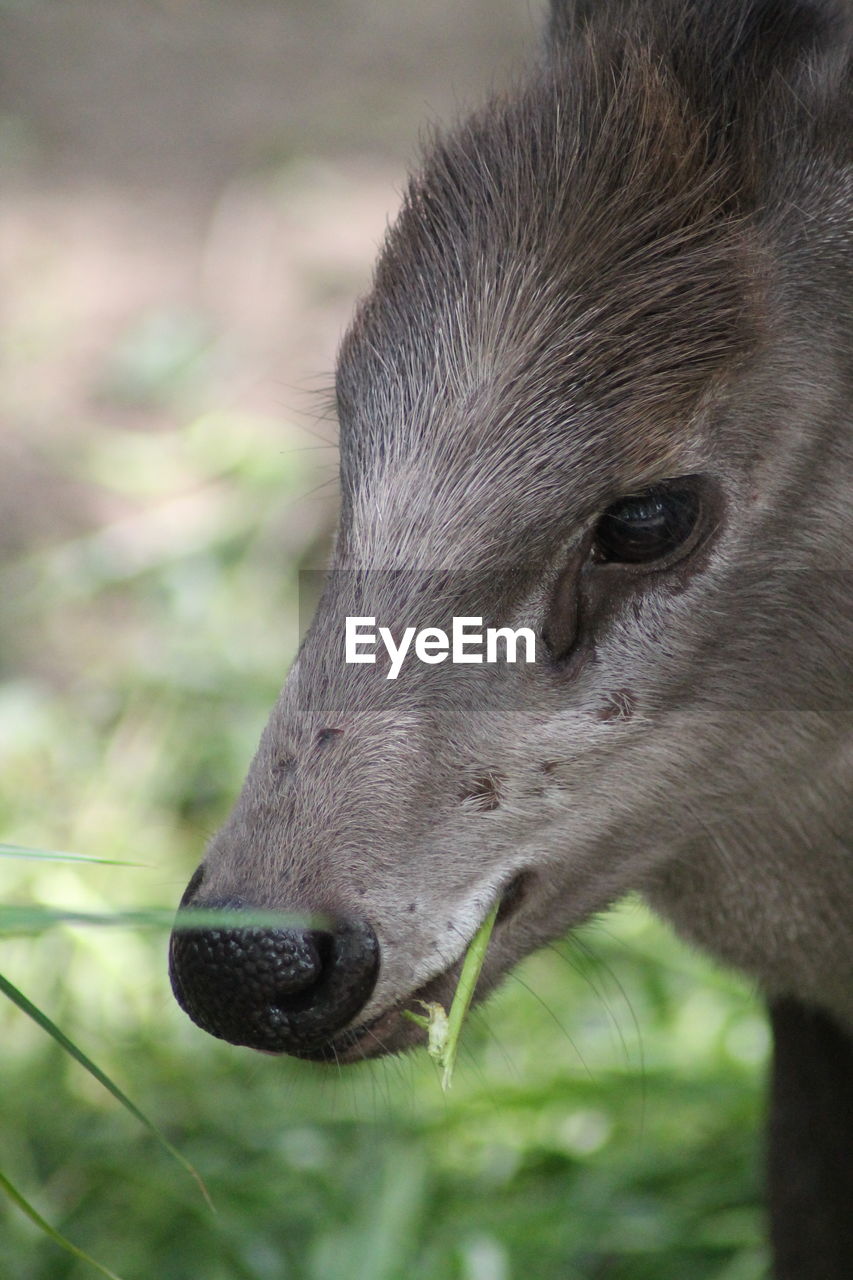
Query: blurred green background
[(193, 194)]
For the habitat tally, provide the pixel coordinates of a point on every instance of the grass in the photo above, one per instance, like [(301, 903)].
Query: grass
[(594, 1157), (444, 1027)]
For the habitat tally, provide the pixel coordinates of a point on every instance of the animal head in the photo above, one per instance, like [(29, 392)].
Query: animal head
[(595, 392)]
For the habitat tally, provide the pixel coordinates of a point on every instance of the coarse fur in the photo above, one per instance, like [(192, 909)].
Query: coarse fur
[(636, 267)]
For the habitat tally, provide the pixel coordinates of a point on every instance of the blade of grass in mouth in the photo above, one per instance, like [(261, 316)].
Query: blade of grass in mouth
[(443, 1028)]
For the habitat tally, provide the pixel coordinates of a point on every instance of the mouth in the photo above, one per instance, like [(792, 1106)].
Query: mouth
[(390, 1031)]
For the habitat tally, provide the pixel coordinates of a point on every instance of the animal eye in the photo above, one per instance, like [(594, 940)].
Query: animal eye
[(647, 526)]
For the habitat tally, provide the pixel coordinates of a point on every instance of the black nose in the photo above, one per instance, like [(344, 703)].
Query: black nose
[(286, 990)]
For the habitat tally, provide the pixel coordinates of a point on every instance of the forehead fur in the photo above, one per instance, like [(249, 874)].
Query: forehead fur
[(569, 271)]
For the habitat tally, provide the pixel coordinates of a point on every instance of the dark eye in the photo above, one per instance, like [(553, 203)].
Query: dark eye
[(647, 526)]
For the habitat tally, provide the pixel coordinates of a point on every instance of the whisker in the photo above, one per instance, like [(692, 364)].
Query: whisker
[(552, 1015), (638, 1030), (303, 497), (482, 1020)]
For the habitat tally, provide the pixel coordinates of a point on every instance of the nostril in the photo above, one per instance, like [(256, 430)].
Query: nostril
[(324, 945), (293, 977), (257, 966), (277, 989)]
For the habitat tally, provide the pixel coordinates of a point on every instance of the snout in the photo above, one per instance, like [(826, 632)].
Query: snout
[(282, 990)]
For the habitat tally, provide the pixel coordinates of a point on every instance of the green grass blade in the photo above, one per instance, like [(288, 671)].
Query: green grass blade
[(42, 1020), (14, 919), (464, 994), (60, 855), (24, 1205)]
